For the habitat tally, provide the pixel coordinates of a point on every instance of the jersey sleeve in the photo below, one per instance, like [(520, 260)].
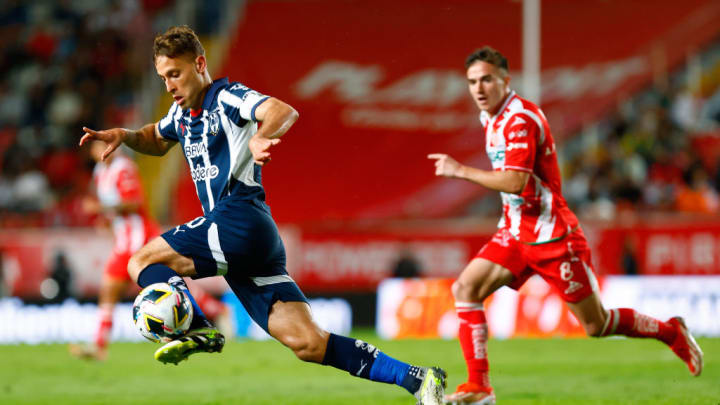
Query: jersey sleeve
[(166, 126), (240, 102), (521, 139)]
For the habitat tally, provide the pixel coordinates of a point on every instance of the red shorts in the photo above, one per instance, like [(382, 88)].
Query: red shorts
[(130, 236), (116, 266), (565, 264)]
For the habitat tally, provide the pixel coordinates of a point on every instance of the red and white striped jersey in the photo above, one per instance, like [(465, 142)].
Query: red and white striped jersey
[(118, 183), (518, 138)]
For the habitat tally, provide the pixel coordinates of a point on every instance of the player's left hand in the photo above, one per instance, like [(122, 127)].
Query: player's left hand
[(445, 165), (260, 148)]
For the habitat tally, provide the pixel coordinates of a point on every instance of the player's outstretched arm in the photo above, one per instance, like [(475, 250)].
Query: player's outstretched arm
[(144, 140), (507, 181), (277, 117)]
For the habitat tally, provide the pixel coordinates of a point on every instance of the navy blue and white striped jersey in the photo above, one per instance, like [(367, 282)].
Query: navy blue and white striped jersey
[(215, 142)]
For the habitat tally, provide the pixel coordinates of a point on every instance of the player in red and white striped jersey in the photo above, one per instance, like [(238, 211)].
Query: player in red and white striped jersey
[(119, 196), (538, 233)]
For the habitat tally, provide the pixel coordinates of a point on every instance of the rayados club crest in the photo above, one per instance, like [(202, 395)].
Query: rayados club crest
[(213, 123)]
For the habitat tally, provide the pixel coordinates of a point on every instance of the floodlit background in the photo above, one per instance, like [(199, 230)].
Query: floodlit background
[(631, 89)]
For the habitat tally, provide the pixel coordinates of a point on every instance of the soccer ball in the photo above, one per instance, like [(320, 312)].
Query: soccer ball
[(162, 312)]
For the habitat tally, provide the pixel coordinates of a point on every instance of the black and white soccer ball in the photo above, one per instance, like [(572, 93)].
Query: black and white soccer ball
[(162, 312)]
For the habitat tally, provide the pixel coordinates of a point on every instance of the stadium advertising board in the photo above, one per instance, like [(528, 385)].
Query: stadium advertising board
[(350, 261), (670, 247), (71, 321), (327, 262), (424, 308)]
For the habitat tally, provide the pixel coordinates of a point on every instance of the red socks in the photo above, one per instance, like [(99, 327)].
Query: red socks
[(103, 332), (473, 335), (628, 322)]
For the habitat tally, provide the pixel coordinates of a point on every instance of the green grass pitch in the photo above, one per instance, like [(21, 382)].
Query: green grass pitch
[(523, 371)]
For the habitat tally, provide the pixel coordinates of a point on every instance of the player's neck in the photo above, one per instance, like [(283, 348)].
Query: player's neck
[(201, 97), (492, 112)]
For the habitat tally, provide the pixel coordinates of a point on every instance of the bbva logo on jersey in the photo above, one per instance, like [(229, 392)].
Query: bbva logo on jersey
[(193, 150)]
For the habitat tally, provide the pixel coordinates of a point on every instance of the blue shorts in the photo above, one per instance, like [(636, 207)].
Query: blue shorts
[(239, 240)]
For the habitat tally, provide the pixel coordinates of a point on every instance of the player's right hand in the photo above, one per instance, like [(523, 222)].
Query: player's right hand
[(445, 165), (112, 137)]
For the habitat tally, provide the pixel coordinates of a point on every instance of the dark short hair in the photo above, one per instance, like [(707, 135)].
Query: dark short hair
[(488, 55), (176, 41)]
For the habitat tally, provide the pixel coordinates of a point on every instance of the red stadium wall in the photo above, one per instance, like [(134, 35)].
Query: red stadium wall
[(378, 88)]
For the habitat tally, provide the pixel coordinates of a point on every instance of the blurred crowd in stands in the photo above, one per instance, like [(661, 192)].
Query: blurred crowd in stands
[(659, 151), (67, 64)]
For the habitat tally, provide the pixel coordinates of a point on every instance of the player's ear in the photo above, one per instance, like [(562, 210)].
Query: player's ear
[(506, 79), (200, 64)]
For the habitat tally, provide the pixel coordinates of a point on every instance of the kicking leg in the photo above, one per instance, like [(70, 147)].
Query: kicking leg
[(157, 262), (291, 323), (477, 281), (598, 322)]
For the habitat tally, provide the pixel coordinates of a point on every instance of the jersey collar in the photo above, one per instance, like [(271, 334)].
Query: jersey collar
[(485, 118), (215, 86)]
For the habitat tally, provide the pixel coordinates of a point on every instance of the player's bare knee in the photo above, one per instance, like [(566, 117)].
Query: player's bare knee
[(591, 314), (463, 291), (469, 292), (135, 265)]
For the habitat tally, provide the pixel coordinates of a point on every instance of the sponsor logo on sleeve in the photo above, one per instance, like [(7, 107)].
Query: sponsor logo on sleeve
[(239, 86), (245, 91), (517, 121), (517, 134), (550, 149), (517, 145)]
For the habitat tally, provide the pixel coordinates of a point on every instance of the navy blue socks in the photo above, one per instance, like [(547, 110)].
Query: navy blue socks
[(159, 273), (366, 361)]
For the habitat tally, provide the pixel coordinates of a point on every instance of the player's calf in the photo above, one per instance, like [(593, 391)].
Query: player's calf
[(594, 329), (628, 322), (309, 347)]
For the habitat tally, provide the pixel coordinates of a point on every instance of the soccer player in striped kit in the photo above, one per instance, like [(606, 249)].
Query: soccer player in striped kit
[(216, 123), (538, 234)]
